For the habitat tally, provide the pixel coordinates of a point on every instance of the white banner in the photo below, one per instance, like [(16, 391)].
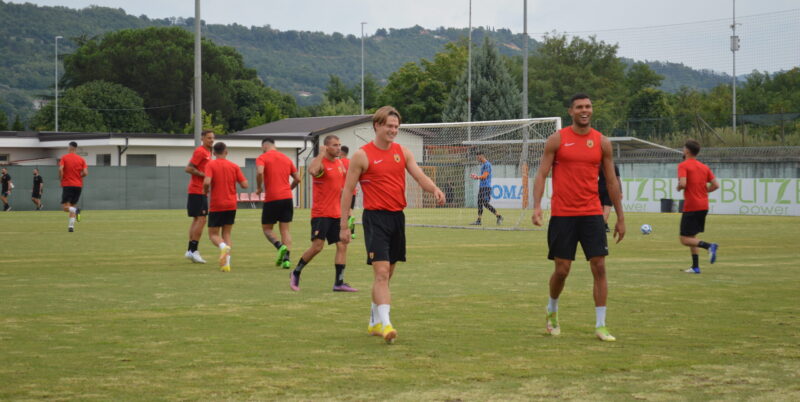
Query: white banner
[(777, 197)]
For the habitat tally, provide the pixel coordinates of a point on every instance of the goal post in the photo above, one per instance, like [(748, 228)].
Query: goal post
[(448, 156)]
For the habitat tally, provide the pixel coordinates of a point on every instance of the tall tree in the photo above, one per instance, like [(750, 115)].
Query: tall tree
[(17, 126), (3, 120)]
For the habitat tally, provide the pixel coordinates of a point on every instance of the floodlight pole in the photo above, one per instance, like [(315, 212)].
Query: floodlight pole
[(56, 106), (734, 48), (198, 71), (525, 62), (362, 67), (469, 75)]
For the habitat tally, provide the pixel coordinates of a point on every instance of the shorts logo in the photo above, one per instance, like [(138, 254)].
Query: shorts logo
[(371, 255), (590, 143), (316, 232), (397, 158)]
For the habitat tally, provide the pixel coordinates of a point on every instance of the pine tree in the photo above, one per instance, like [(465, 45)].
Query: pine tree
[(3, 120), (18, 126)]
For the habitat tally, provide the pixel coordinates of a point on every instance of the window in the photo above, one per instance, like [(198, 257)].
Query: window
[(103, 160), (249, 162), (4, 159), (141, 160)]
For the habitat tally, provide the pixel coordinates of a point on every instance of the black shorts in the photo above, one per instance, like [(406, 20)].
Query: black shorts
[(5, 193), (277, 211), (70, 195), (564, 233), (197, 205), (36, 195), (325, 229), (605, 199), (693, 222), (484, 194), (221, 218), (384, 235), (353, 203)]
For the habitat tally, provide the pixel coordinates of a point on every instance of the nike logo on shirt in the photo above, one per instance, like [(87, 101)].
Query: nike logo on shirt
[(569, 144), (378, 161)]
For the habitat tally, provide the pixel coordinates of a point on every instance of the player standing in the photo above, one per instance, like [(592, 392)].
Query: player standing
[(71, 170), (351, 220), (221, 176), (575, 154), (328, 173), (197, 201), (5, 181), (380, 167), (274, 170), (38, 189), (485, 188), (697, 180)]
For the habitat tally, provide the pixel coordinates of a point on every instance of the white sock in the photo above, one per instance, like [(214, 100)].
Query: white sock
[(552, 306), (600, 313), (228, 260), (373, 315), (222, 246), (73, 210), (72, 222), (383, 314)]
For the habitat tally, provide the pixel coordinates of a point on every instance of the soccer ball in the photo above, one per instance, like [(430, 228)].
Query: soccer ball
[(646, 229)]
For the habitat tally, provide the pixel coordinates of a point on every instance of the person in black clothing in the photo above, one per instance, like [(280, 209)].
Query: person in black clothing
[(38, 189), (5, 179), (605, 199)]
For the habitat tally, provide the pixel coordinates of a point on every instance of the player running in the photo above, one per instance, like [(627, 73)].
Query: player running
[(221, 176), (328, 173), (697, 180), (380, 167), (274, 169), (71, 170), (197, 201), (575, 154)]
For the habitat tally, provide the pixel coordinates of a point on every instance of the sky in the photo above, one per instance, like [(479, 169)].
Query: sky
[(683, 30)]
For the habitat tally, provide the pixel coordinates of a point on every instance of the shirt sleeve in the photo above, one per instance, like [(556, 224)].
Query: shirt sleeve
[(209, 169), (259, 161), (197, 158), (710, 176), (239, 175), (293, 167), (681, 171)]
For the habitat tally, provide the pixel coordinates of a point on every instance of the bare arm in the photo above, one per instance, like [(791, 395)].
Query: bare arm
[(549, 155), (315, 167), (259, 179), (193, 170), (60, 172), (681, 183), (85, 172), (424, 181), (612, 184), (206, 185), (713, 185), (358, 165), (295, 180), (244, 184)]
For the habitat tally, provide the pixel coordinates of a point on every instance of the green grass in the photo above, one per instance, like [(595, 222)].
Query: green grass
[(114, 311)]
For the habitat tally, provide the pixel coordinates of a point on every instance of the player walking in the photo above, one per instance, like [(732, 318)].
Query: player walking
[(197, 201), (71, 170), (485, 188), (38, 189), (351, 220), (575, 154), (328, 173), (380, 167), (274, 170), (7, 184), (221, 176), (697, 180)]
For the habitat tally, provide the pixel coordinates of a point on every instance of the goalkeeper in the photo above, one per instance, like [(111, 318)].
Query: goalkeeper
[(485, 189)]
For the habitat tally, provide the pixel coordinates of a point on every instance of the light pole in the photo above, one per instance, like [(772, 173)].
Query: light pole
[(362, 67), (469, 72), (57, 38), (734, 48), (198, 71)]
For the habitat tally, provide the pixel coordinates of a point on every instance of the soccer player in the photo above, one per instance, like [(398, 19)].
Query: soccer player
[(485, 188), (38, 189), (274, 169), (351, 220), (197, 201), (574, 154), (605, 199), (328, 173), (71, 170), (221, 176), (696, 180), (5, 180), (380, 167)]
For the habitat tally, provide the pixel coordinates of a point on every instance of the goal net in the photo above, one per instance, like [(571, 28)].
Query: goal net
[(448, 156)]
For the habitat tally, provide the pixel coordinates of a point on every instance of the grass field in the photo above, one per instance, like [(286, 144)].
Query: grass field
[(114, 312)]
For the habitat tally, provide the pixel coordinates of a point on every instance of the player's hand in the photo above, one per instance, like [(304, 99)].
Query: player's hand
[(619, 230), (536, 218), (474, 176), (344, 235), (439, 195)]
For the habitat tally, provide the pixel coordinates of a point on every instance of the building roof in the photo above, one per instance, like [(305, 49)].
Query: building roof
[(306, 126)]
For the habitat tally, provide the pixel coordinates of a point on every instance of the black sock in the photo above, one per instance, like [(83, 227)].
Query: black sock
[(704, 245), (695, 261), (193, 245), (300, 264), (339, 274), (286, 257), (277, 244)]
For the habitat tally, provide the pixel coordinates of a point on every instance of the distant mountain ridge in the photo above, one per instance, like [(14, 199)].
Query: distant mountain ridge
[(296, 62)]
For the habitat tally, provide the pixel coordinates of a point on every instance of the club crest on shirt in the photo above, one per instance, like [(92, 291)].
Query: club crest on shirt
[(589, 143), (397, 158)]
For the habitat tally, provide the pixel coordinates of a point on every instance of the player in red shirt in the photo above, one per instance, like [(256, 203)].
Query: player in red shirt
[(274, 169), (328, 173), (197, 202), (71, 170), (380, 167), (575, 154), (351, 220), (221, 176), (696, 180)]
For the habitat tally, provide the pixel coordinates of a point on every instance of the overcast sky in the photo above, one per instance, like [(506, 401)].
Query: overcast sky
[(583, 17)]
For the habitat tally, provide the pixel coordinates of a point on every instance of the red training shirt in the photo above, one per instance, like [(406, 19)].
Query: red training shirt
[(575, 174), (73, 166), (328, 190), (384, 182), (277, 169), (346, 163), (697, 175), (200, 158), (224, 175)]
